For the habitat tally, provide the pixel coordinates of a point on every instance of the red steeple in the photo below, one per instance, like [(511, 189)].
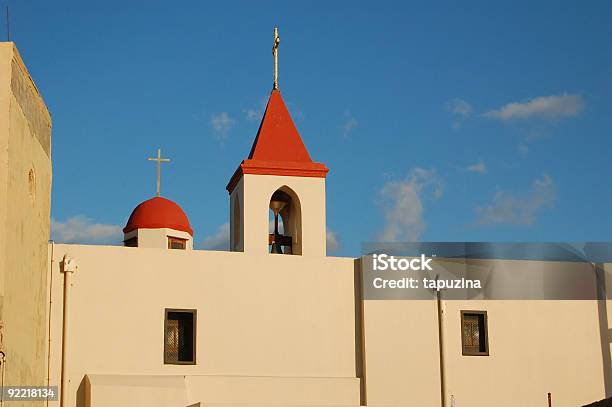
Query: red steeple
[(277, 137), (278, 148)]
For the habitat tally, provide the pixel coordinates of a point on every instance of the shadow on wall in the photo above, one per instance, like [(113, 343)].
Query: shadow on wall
[(80, 395), (604, 333), (601, 403)]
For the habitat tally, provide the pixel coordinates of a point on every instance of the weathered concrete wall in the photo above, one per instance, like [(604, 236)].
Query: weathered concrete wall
[(25, 196)]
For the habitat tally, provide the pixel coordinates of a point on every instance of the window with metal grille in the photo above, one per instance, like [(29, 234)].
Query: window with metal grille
[(177, 243), (474, 335), (179, 337)]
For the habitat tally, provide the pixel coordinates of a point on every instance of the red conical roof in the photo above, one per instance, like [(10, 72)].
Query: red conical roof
[(278, 148), (277, 138), (157, 213)]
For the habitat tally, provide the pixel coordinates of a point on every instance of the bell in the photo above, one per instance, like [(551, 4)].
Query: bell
[(276, 207)]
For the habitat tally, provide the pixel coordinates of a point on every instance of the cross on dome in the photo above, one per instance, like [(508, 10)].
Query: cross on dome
[(159, 160)]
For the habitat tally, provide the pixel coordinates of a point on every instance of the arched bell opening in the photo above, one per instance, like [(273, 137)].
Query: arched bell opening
[(286, 222)]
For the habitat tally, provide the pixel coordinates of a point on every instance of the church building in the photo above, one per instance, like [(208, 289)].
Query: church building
[(274, 321)]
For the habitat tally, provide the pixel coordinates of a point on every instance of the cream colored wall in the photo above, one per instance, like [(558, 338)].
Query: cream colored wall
[(150, 391), (222, 391), (258, 314), (282, 323), (401, 353), (256, 191), (158, 238), (25, 145), (277, 391), (536, 347)]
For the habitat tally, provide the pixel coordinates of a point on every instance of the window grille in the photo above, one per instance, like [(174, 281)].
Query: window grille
[(179, 336), (474, 335), (177, 243)]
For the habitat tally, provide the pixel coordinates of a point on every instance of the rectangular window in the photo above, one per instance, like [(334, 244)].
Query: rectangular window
[(180, 337), (474, 335), (176, 243)]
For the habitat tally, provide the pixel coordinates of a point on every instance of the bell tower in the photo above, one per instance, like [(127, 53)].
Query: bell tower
[(278, 180)]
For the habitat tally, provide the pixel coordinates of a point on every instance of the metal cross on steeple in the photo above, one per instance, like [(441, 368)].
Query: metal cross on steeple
[(159, 160), (275, 53)]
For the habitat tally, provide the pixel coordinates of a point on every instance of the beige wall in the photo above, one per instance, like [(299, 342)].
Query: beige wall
[(401, 353), (25, 189), (286, 330), (221, 391), (254, 193), (535, 347), (258, 314)]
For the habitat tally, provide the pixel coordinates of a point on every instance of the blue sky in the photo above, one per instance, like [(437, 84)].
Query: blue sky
[(455, 122)]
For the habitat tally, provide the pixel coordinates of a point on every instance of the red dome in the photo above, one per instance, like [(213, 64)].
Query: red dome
[(157, 213)]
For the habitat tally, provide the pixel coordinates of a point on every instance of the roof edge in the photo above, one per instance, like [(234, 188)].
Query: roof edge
[(158, 225), (278, 168)]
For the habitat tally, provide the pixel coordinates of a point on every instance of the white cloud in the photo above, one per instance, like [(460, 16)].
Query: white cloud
[(255, 113), (402, 203), (544, 107), (350, 123), (480, 168), (460, 109), (81, 229), (252, 114), (333, 244), (221, 124), (218, 241), (511, 208)]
